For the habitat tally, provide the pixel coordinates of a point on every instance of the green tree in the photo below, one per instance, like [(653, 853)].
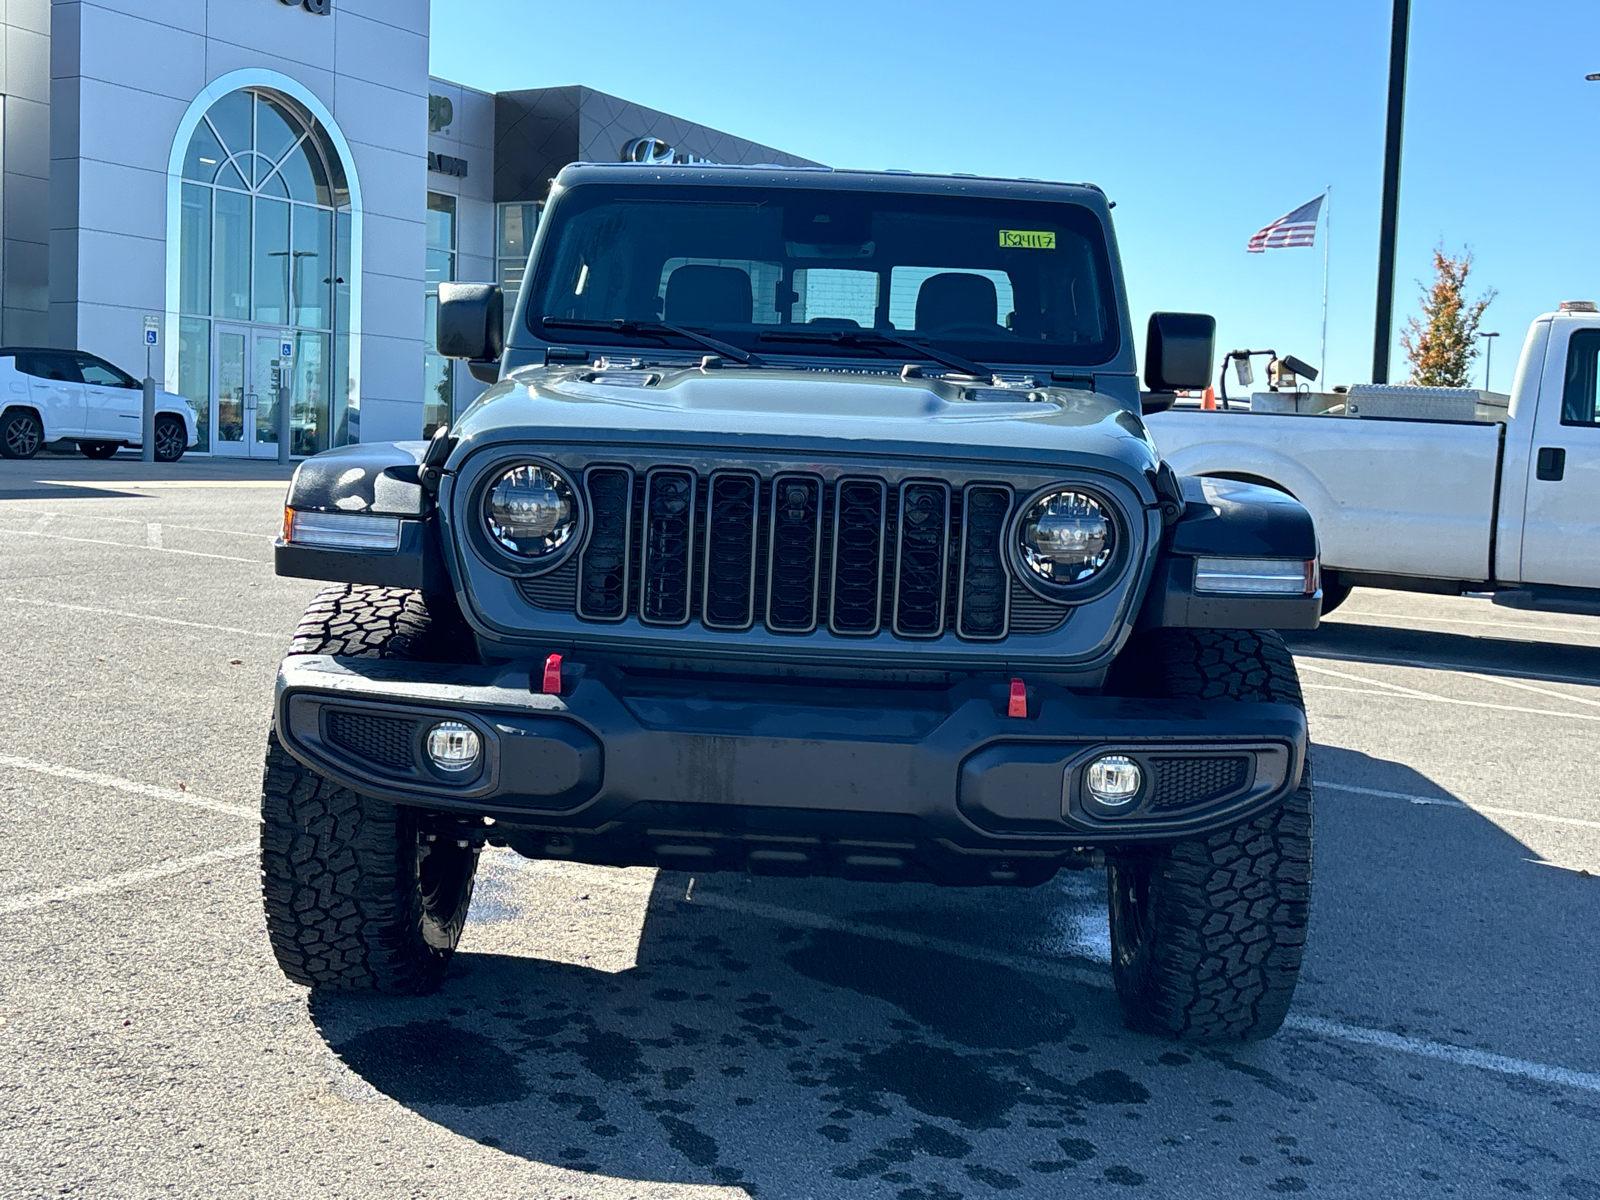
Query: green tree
[(1444, 343)]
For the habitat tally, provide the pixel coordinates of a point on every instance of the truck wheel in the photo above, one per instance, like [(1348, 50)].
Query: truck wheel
[(1334, 592), (358, 895), (21, 433), (171, 439), (98, 449), (1207, 934)]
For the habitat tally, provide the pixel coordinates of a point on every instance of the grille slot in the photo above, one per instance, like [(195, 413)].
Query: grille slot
[(985, 598), (1182, 782), (668, 546), (603, 567), (732, 507), (922, 554), (794, 553), (382, 740), (860, 518)]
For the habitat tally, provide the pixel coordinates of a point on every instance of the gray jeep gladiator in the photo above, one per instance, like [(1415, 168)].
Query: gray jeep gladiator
[(810, 527)]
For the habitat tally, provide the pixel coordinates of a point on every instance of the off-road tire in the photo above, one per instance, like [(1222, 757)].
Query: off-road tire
[(359, 894), (21, 433), (98, 449), (1207, 933), (172, 439)]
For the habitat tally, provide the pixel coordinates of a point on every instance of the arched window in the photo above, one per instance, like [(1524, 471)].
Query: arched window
[(265, 252)]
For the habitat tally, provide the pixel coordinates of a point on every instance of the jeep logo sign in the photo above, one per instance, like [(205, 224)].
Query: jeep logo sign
[(321, 7)]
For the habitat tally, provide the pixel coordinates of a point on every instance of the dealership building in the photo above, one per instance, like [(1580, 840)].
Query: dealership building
[(248, 171)]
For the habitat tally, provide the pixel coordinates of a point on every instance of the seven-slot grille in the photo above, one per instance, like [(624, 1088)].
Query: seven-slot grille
[(795, 552)]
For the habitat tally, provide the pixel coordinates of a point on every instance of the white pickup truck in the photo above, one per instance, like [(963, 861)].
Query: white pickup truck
[(1507, 503)]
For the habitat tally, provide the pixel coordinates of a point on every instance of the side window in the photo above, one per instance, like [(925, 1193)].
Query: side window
[(103, 374), (1580, 400), (47, 365)]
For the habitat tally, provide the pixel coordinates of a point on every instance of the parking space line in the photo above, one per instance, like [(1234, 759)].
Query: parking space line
[(1452, 802), (133, 616), (1415, 694), (152, 535), (1100, 980), (1452, 667), (1523, 626), (240, 533), (127, 879), (61, 537), (153, 791)]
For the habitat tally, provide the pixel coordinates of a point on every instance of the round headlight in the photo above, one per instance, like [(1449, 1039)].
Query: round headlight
[(531, 512), (1066, 538)]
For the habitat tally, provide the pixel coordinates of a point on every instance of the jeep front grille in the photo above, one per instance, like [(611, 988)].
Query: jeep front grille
[(795, 553)]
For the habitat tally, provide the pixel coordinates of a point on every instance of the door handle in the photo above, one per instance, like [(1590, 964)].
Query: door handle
[(1552, 464), (250, 401)]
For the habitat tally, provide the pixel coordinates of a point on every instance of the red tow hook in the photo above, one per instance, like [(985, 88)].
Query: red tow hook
[(1019, 700), (552, 676)]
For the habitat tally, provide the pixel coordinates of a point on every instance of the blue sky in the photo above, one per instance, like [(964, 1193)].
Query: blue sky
[(1203, 122)]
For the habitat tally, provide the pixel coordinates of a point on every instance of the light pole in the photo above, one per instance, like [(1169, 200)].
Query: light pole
[(1488, 358), (1399, 34)]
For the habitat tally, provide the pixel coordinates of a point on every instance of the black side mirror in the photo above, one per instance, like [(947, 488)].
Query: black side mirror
[(1179, 348), (471, 323)]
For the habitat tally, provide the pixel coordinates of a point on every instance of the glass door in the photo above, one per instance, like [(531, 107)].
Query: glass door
[(246, 391)]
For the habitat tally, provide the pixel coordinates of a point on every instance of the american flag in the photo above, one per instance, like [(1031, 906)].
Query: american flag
[(1299, 228)]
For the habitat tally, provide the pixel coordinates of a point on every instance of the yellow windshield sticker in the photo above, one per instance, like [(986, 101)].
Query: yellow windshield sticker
[(1023, 239)]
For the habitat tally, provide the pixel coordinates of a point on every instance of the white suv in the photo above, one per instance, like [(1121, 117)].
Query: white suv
[(67, 395)]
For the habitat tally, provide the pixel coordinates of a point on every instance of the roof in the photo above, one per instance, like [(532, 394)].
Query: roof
[(830, 178)]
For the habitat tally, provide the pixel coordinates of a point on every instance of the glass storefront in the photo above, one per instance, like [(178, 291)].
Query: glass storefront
[(264, 258), (438, 372)]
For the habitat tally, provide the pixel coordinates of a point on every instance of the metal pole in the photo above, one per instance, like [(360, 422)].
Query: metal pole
[(147, 424), (284, 374), (1488, 365), (1383, 327), (1327, 238)]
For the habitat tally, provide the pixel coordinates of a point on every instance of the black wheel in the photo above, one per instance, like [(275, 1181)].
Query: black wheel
[(172, 439), (359, 893), (21, 433), (1207, 934), (98, 449), (1334, 592)]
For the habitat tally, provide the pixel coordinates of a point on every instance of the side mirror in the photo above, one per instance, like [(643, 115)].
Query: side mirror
[(471, 323), (1179, 348)]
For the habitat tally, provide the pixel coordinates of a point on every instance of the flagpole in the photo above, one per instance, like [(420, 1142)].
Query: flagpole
[(1327, 237)]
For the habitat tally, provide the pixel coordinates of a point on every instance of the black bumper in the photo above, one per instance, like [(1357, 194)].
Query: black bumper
[(790, 779)]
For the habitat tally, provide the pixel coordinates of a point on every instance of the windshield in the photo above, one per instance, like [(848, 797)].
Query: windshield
[(997, 281)]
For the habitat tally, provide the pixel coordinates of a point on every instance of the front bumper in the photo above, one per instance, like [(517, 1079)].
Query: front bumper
[(787, 778)]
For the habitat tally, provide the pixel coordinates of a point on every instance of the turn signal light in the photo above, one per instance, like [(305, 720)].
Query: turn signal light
[(340, 531)]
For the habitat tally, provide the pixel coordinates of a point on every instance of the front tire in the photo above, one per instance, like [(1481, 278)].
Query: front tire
[(360, 895), (1207, 933), (171, 439)]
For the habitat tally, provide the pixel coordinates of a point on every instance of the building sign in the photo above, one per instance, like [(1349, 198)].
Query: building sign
[(321, 7), (654, 150), (443, 164), (441, 113)]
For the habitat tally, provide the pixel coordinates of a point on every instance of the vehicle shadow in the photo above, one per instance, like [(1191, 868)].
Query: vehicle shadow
[(805, 1038), (1506, 656)]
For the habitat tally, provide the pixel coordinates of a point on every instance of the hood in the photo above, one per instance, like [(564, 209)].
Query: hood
[(937, 415)]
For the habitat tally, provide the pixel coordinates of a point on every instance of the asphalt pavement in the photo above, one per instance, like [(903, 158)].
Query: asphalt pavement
[(617, 1034)]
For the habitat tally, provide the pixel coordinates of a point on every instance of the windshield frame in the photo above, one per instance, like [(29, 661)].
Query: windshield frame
[(571, 199)]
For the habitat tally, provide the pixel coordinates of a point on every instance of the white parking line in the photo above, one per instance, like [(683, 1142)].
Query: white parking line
[(127, 879), (1415, 694), (133, 616), (61, 537), (1524, 626), (153, 791), (1451, 802), (1454, 668), (152, 535)]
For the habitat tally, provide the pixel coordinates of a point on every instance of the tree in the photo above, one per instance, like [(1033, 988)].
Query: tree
[(1444, 343)]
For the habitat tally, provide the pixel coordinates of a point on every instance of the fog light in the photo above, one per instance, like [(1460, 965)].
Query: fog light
[(1114, 780), (454, 747)]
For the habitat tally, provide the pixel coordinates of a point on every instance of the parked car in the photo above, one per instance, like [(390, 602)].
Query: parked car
[(810, 529), (1503, 499), (69, 396)]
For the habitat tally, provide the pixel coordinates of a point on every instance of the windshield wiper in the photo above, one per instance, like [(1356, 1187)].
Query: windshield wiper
[(655, 329), (875, 339)]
